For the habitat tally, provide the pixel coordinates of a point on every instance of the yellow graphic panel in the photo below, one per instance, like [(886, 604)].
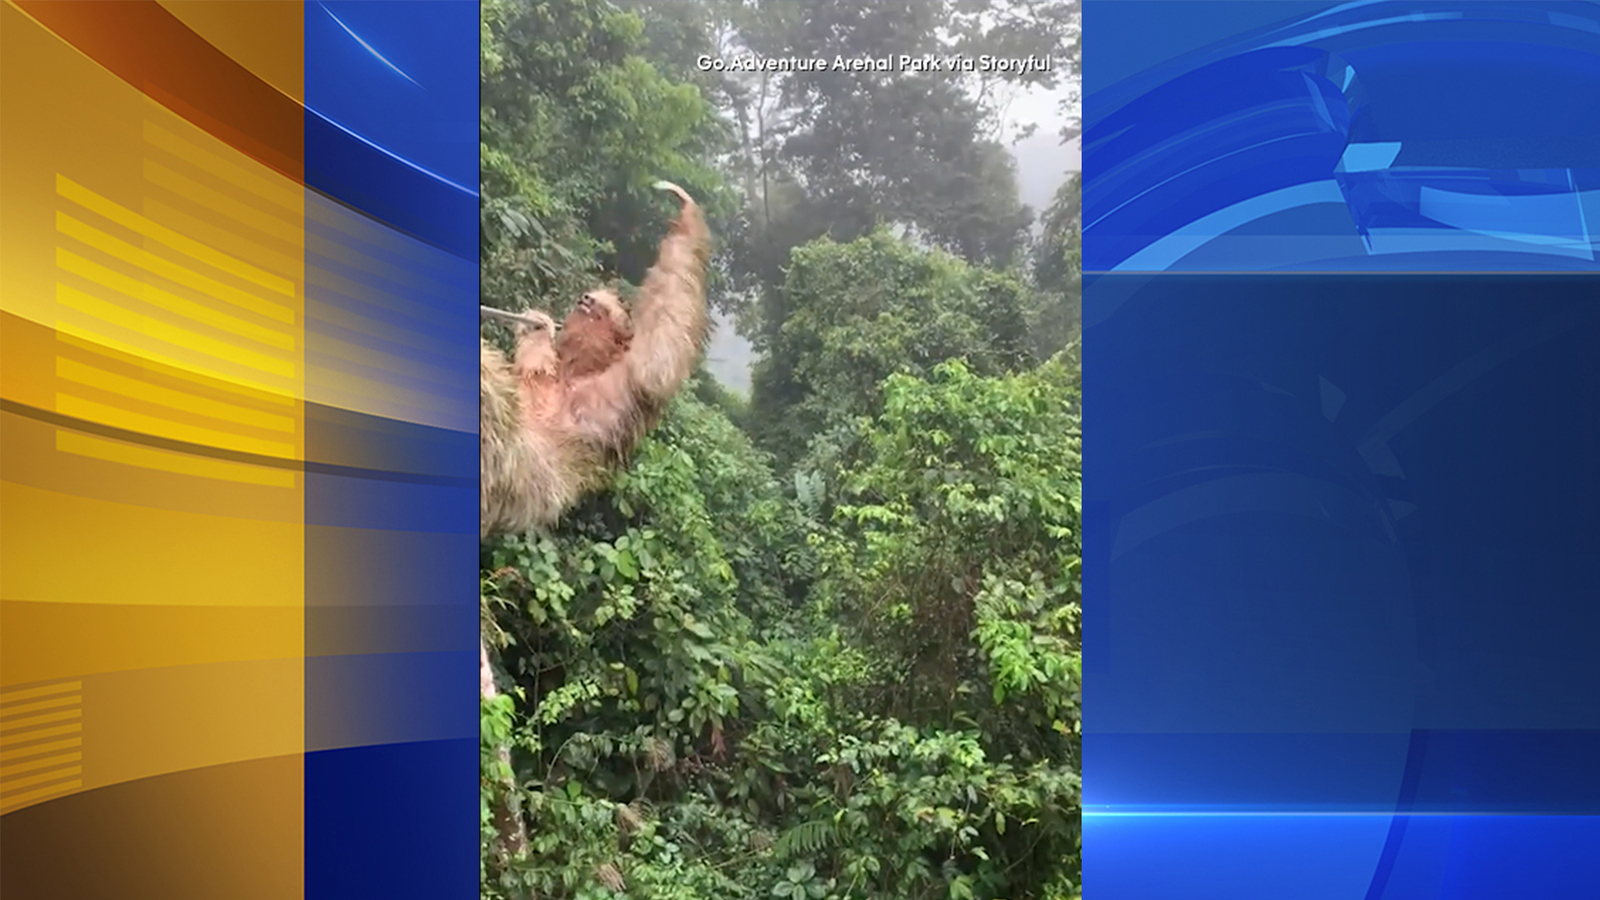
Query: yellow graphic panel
[(152, 433)]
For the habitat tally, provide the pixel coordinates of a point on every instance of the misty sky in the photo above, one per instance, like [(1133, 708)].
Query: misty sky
[(1042, 162)]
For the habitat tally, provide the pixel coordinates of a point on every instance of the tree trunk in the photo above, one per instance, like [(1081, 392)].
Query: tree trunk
[(508, 808)]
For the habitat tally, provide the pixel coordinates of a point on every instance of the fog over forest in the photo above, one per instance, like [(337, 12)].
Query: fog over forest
[(1042, 165)]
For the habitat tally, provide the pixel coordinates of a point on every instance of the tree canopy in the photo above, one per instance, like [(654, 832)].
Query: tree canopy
[(821, 642)]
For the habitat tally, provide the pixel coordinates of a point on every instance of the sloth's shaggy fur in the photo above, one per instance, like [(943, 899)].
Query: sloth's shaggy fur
[(571, 408)]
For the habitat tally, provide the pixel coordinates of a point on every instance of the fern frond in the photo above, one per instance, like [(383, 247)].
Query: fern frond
[(806, 839)]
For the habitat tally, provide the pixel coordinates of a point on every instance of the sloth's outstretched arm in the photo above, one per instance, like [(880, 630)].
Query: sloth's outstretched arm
[(613, 409), (670, 325)]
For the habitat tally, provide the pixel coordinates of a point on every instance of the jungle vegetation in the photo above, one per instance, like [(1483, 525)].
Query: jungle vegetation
[(820, 641)]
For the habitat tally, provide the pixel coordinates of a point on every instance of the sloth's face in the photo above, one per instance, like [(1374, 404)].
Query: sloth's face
[(603, 305)]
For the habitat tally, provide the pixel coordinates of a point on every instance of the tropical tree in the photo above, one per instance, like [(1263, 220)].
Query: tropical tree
[(853, 314)]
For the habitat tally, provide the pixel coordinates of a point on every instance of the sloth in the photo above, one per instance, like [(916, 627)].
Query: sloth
[(567, 409)]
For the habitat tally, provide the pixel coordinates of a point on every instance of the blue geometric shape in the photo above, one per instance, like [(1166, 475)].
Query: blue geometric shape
[(1332, 399), (1367, 157), (1462, 136), (1162, 254)]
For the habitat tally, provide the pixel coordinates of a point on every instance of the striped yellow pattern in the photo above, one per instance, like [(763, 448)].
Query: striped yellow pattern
[(40, 743), (153, 284)]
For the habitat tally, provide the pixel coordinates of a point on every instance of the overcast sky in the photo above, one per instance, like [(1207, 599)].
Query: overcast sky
[(1042, 162)]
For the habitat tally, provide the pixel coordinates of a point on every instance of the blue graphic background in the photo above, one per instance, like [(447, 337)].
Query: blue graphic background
[(1342, 523), (1415, 136), (1341, 581), (392, 113), (391, 769)]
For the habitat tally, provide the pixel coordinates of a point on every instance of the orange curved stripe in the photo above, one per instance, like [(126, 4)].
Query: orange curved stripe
[(150, 49)]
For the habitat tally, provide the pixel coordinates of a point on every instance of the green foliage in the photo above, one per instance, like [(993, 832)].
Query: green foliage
[(854, 313), (823, 644), (1058, 269), (576, 126), (631, 629), (727, 697), (1059, 260)]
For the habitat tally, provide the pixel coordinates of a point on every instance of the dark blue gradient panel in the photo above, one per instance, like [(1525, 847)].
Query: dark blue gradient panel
[(1342, 585), (1275, 136), (376, 842), (391, 543), (388, 103)]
